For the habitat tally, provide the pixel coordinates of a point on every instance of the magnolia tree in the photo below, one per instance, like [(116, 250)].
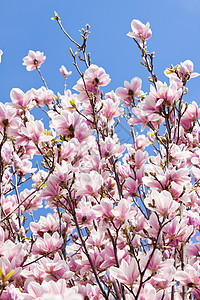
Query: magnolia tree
[(122, 221)]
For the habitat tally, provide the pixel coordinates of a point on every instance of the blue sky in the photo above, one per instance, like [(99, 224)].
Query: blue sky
[(27, 25)]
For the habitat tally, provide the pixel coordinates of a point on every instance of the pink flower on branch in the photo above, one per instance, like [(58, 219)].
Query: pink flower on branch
[(33, 60), (47, 244), (127, 273), (64, 71), (34, 131), (190, 276), (162, 203), (96, 76), (21, 100), (88, 184), (131, 90), (140, 31)]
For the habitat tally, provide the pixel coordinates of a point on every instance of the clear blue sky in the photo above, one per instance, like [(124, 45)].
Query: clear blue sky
[(27, 25)]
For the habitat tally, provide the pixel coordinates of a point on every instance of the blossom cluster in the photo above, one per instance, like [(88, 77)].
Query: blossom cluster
[(123, 218)]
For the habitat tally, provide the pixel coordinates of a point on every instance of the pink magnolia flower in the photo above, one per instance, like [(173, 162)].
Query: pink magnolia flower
[(108, 255), (165, 94), (96, 76), (130, 187), (91, 89), (104, 209), (131, 90), (34, 131), (64, 71), (190, 116), (90, 292), (148, 292), (186, 69), (145, 118), (112, 95), (51, 191), (69, 149), (9, 203), (127, 273), (177, 231), (162, 203), (111, 109), (50, 224), (140, 31), (71, 125), (193, 250), (69, 101), (163, 279), (50, 290), (47, 244), (85, 214), (2, 237), (7, 114), (23, 166), (13, 252), (11, 292), (38, 178), (88, 184), (96, 258), (55, 268), (110, 147), (43, 96), (21, 100), (141, 142), (190, 275), (33, 59), (7, 266), (123, 212)]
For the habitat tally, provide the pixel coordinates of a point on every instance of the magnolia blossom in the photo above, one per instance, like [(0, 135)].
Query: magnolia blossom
[(127, 273), (190, 116), (162, 203), (64, 71), (50, 290), (186, 69), (33, 60), (7, 114), (94, 77), (140, 31), (88, 184), (97, 76), (131, 90), (47, 244), (21, 100), (34, 131), (42, 96), (190, 276), (111, 109)]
